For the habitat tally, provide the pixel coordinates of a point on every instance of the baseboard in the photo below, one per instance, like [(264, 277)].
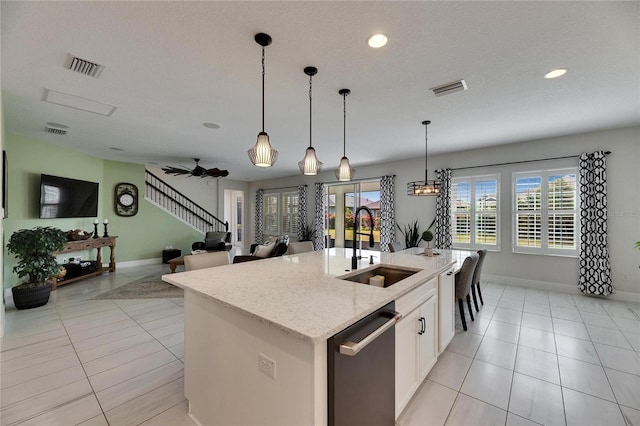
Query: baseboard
[(131, 263), (622, 296)]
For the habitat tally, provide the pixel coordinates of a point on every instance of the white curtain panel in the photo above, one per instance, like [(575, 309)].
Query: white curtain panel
[(387, 212), (595, 269), (443, 211)]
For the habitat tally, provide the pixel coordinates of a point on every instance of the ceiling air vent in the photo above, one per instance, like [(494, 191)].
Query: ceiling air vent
[(445, 89), (84, 67), (57, 129)]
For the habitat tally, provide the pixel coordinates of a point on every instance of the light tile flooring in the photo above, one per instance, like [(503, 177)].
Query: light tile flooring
[(531, 357), (536, 357)]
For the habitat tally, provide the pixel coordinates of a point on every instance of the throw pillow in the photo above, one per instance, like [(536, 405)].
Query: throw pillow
[(264, 250)]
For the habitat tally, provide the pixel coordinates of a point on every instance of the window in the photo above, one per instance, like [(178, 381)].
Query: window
[(546, 212), (280, 213), (475, 212)]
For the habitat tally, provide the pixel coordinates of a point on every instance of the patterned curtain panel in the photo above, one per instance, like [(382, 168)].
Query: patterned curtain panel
[(443, 211), (302, 209), (259, 217), (595, 269), (387, 213), (319, 241)]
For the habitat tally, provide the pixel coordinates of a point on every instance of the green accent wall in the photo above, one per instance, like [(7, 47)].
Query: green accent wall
[(141, 237)]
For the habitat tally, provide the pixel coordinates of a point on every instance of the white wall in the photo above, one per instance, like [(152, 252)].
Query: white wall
[(623, 172)]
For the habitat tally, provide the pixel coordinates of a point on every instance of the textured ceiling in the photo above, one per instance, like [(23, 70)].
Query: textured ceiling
[(171, 66)]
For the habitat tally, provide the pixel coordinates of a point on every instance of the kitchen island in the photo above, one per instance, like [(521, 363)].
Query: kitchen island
[(256, 332)]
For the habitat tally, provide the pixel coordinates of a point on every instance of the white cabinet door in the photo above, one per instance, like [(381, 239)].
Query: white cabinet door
[(446, 309), (427, 337), (407, 376)]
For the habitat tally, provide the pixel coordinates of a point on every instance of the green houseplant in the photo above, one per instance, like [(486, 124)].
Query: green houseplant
[(411, 234), (34, 250), (428, 235), (308, 233)]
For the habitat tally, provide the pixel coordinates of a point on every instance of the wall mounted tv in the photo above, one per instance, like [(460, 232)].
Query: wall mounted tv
[(65, 197)]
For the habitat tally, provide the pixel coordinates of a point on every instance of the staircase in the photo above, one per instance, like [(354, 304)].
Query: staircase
[(169, 199)]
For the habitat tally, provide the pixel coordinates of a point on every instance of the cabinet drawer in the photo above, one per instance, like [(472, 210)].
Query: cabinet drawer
[(417, 296)]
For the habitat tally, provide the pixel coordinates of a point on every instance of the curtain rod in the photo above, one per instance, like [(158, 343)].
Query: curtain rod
[(521, 162), (283, 187), (338, 182)]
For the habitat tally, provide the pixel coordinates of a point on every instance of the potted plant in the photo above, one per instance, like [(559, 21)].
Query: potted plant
[(411, 234), (34, 249), (307, 233), (428, 237)]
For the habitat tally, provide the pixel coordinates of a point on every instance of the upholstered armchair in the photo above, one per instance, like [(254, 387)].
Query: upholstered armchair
[(214, 241)]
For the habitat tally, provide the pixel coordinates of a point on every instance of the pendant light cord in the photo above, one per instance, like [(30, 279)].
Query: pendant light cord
[(310, 121), (426, 155), (263, 88), (344, 126)]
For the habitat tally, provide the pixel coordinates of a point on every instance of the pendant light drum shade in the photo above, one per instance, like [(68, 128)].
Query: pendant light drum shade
[(426, 186), (310, 165), (262, 154), (344, 172)]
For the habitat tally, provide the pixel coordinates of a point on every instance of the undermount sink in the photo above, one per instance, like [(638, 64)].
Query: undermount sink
[(391, 275)]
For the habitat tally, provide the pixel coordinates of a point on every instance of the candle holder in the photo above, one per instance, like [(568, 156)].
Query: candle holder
[(95, 231), (106, 234)]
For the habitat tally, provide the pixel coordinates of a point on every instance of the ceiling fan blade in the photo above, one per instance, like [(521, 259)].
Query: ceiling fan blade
[(175, 171), (216, 172)]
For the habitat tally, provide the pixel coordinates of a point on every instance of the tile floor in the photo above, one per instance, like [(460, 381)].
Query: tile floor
[(536, 357), (531, 357)]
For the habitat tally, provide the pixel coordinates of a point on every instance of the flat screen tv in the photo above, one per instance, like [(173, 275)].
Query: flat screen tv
[(65, 197)]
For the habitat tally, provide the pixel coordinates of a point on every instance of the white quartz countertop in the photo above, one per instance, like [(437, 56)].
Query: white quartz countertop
[(301, 294)]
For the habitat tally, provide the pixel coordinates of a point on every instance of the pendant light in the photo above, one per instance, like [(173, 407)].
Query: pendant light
[(310, 165), (344, 172), (263, 154), (426, 186)]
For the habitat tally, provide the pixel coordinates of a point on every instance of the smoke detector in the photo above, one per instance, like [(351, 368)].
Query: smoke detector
[(445, 89), (57, 129), (84, 66)]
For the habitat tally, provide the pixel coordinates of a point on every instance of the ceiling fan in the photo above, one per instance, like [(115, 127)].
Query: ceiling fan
[(198, 171)]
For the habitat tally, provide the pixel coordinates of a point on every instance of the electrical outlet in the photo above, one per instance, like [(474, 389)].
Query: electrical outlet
[(266, 365), (625, 277)]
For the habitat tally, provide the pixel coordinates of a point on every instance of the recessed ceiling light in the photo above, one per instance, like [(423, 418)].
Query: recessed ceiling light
[(211, 125), (115, 148), (556, 73), (377, 40)]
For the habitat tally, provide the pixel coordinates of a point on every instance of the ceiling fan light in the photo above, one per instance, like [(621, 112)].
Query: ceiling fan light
[(345, 172), (310, 165), (263, 154)]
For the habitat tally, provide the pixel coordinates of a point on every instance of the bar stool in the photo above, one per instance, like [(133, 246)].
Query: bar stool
[(476, 278), (463, 279)]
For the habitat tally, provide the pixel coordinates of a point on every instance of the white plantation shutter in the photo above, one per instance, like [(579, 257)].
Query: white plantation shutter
[(546, 212), (475, 212)]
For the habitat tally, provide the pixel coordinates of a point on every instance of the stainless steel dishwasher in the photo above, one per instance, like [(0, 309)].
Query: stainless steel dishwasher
[(361, 369)]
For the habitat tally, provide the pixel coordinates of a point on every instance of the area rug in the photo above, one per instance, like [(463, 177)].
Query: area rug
[(149, 287)]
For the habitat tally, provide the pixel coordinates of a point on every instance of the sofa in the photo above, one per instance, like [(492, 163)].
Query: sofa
[(214, 241), (263, 251)]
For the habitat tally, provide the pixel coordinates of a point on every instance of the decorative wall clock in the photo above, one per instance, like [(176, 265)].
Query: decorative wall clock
[(126, 199)]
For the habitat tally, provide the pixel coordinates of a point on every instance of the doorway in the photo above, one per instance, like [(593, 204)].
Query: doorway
[(234, 215), (341, 202)]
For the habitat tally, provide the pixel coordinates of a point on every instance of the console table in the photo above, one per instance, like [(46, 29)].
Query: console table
[(91, 243)]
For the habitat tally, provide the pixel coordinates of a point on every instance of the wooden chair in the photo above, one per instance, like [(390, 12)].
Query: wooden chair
[(395, 246), (464, 278), (205, 260), (300, 247), (476, 278)]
